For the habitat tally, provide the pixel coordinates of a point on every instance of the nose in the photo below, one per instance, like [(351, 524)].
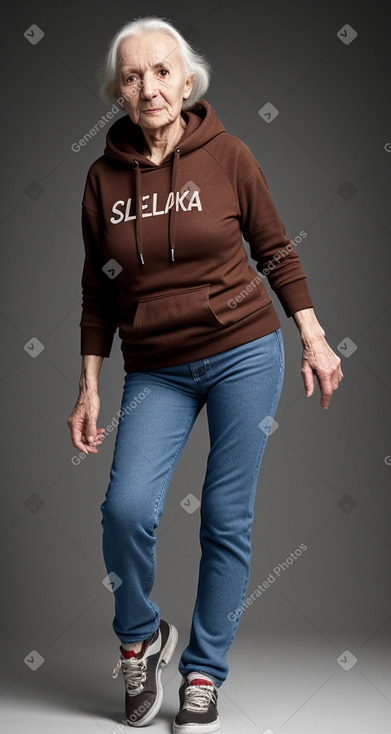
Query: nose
[(149, 87)]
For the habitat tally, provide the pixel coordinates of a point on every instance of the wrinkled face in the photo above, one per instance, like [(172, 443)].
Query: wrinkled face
[(152, 79)]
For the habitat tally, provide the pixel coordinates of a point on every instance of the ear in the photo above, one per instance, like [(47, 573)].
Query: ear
[(188, 85)]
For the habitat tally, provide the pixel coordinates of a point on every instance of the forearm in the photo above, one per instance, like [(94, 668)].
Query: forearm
[(91, 365), (308, 325)]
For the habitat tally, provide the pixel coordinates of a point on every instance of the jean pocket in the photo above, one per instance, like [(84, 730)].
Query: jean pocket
[(175, 319)]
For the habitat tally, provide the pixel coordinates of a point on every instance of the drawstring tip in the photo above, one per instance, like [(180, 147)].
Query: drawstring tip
[(141, 258), (172, 254)]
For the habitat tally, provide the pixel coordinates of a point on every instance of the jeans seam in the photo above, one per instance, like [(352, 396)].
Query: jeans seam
[(277, 392), (281, 349)]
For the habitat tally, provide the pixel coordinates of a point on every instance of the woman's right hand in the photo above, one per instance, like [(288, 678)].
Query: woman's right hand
[(85, 435)]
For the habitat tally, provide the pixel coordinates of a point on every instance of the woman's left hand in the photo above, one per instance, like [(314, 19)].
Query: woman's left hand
[(319, 358)]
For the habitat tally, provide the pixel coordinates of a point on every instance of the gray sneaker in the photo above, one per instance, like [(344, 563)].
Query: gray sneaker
[(198, 712), (142, 673)]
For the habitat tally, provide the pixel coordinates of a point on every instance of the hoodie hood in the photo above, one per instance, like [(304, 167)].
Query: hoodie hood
[(125, 141)]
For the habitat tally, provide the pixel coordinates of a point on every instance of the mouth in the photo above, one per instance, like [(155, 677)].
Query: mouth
[(152, 110)]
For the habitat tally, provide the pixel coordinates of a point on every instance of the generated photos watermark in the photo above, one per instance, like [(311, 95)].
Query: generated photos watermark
[(104, 119), (275, 260), (272, 577)]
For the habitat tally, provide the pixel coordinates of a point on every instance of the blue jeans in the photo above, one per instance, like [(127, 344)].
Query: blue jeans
[(241, 388)]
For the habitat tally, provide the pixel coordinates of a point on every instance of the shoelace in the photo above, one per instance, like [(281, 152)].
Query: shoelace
[(134, 671), (198, 698)]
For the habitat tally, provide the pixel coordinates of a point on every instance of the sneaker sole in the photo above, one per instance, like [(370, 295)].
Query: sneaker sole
[(196, 728), (165, 657)]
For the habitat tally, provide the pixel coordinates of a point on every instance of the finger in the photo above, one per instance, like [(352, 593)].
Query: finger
[(89, 447), (79, 442), (100, 435), (90, 431), (337, 372), (337, 375), (79, 439), (326, 391), (92, 446), (76, 435), (84, 444), (85, 448), (335, 380), (308, 378)]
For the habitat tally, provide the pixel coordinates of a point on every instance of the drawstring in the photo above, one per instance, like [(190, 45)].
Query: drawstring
[(139, 235), (172, 219)]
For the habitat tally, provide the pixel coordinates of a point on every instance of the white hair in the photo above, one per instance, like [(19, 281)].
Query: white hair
[(193, 62)]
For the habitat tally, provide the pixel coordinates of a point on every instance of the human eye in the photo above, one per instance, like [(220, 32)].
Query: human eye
[(131, 78), (163, 72)]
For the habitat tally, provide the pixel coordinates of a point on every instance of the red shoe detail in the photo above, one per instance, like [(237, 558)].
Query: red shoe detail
[(201, 682), (128, 653)]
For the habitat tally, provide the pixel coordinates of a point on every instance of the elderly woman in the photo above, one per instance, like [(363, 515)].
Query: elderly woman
[(163, 215)]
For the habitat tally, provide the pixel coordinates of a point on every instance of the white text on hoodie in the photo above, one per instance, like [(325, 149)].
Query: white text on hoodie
[(177, 199)]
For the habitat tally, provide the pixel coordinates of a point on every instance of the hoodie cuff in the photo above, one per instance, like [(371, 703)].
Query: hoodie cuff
[(96, 341), (294, 296)]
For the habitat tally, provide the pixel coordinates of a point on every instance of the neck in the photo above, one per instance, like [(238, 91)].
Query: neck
[(160, 142)]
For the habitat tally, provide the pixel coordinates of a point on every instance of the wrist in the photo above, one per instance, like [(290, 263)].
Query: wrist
[(87, 386), (308, 325), (89, 376)]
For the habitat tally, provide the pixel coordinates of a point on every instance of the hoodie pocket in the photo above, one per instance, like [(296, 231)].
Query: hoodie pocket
[(175, 319)]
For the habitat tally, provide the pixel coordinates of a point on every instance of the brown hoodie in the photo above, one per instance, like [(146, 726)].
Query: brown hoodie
[(164, 254)]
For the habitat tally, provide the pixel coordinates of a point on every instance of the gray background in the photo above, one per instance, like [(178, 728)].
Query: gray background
[(324, 481)]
